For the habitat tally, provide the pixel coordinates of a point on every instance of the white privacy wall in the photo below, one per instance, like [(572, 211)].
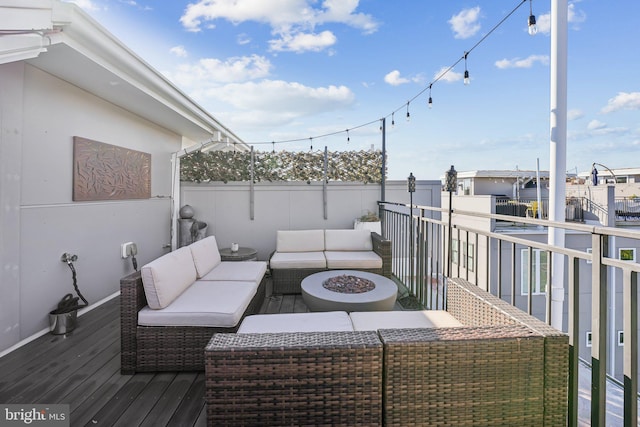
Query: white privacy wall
[(289, 206), (39, 115)]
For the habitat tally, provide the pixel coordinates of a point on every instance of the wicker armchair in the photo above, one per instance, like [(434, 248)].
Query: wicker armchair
[(163, 348)]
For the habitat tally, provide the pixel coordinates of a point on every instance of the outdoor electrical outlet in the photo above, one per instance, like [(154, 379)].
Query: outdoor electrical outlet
[(128, 249)]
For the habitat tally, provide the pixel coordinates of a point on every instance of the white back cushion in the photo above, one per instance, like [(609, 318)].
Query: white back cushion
[(165, 278), (300, 241), (348, 240), (205, 255)]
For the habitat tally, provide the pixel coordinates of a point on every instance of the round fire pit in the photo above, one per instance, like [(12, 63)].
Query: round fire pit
[(348, 290), (346, 284)]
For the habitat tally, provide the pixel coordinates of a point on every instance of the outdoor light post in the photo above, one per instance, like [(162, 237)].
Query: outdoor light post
[(411, 184), (451, 182)]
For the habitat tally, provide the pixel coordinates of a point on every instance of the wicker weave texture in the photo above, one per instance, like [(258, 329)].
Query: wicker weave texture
[(483, 376), (330, 378), (168, 348)]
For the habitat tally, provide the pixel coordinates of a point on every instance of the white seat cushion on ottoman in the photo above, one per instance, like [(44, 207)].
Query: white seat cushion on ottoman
[(374, 320), (328, 321)]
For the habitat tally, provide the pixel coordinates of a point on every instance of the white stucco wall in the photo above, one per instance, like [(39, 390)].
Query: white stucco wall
[(39, 115), (290, 206)]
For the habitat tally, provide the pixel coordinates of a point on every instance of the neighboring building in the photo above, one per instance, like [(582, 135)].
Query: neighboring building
[(514, 193), (62, 76)]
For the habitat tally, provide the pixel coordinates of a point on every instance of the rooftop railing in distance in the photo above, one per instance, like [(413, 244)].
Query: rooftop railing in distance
[(518, 270)]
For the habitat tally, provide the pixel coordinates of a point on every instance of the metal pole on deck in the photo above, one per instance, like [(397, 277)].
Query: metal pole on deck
[(558, 152)]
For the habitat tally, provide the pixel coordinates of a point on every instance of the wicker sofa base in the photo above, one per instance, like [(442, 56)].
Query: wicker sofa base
[(503, 368), (312, 378), (164, 348)]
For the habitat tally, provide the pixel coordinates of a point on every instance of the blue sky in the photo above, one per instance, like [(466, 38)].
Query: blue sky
[(283, 70)]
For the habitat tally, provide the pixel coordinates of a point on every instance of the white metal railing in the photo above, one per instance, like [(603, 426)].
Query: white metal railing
[(423, 258)]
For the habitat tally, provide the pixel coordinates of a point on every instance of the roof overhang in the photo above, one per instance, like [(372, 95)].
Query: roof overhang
[(62, 40)]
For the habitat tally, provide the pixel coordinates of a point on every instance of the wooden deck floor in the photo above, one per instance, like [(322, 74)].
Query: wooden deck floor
[(82, 369)]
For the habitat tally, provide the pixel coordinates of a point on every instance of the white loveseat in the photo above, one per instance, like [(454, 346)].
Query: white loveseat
[(175, 303), (300, 253)]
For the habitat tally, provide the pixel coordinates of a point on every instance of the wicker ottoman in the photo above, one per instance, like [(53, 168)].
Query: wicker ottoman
[(294, 378)]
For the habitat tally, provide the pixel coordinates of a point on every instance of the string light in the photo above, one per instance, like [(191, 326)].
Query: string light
[(273, 147), (310, 144), (348, 138), (439, 77), (467, 80), (408, 115), (533, 28)]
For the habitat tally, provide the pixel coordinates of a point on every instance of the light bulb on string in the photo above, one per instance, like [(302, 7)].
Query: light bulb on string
[(533, 28), (393, 121), (408, 115), (467, 80), (430, 103), (348, 138), (273, 146), (310, 144)]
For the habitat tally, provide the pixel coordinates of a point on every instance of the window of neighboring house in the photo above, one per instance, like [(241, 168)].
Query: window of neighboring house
[(588, 339), (627, 254), (539, 272), (620, 338), (468, 257), (454, 251), (589, 251)]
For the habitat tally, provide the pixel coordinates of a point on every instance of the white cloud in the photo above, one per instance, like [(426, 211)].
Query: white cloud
[(623, 101), (243, 39), (211, 72), (596, 125), (575, 114), (270, 103), (447, 76), (302, 42), (179, 51), (284, 16), (522, 63), (465, 24), (393, 78)]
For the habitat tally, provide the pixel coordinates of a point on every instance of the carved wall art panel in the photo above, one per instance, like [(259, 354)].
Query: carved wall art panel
[(108, 172)]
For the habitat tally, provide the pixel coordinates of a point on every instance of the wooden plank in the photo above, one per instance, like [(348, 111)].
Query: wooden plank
[(43, 348), (170, 400), (192, 404), (288, 302), (96, 370), (273, 304), (45, 375), (146, 400), (300, 306), (113, 408), (202, 418)]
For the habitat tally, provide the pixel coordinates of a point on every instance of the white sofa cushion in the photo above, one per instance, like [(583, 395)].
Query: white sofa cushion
[(300, 241), (281, 260), (208, 304), (348, 240), (205, 255), (374, 320), (244, 271), (329, 321), (357, 260), (167, 277)]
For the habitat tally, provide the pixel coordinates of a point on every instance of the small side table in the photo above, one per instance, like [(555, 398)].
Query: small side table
[(242, 254)]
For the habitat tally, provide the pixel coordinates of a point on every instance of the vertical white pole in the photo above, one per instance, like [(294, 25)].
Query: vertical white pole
[(558, 155), (175, 199)]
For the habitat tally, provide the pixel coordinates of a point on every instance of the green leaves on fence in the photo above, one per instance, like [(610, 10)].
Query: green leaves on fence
[(348, 166)]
